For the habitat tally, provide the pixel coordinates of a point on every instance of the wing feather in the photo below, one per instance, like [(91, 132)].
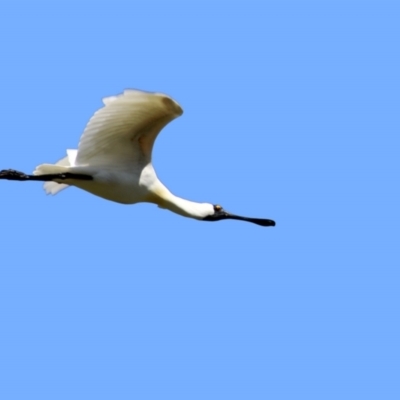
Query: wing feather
[(124, 130)]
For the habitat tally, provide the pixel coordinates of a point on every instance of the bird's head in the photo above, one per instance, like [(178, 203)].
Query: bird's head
[(219, 213)]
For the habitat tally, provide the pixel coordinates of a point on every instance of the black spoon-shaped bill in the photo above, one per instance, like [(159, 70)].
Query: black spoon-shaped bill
[(258, 221), (220, 214)]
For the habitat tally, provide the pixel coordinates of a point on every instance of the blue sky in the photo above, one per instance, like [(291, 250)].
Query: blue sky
[(291, 113)]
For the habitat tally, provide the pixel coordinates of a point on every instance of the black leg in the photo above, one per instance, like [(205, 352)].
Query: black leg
[(13, 175)]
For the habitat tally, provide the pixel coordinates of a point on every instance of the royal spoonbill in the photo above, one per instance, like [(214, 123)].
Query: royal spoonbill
[(113, 159)]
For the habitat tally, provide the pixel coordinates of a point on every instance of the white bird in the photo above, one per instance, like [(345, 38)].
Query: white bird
[(113, 159)]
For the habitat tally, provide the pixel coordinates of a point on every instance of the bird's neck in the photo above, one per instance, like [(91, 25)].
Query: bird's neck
[(160, 195), (180, 206)]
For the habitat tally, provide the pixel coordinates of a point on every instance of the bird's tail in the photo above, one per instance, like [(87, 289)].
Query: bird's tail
[(58, 168)]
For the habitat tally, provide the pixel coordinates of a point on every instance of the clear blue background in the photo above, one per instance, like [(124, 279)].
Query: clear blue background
[(291, 113)]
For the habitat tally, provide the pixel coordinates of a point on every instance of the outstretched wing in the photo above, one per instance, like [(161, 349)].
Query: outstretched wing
[(124, 130)]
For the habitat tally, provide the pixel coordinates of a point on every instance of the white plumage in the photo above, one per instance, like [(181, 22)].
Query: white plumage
[(115, 149)]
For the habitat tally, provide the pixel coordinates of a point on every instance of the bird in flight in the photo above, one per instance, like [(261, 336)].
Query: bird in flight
[(113, 159)]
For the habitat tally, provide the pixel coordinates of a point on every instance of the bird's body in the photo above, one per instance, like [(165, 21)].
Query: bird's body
[(119, 185), (113, 159), (115, 148)]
